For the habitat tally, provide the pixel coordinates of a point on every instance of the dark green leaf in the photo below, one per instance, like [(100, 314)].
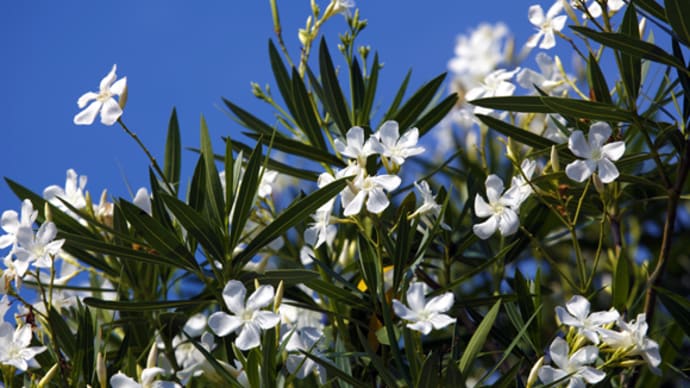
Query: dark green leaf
[(283, 168), (139, 306), (61, 333), (412, 108), (304, 112), (435, 114), (335, 371), (281, 75), (677, 306), (630, 46), (297, 212), (397, 100), (518, 134), (289, 276), (631, 65), (478, 338), (621, 284), (678, 15), (357, 90), (514, 104), (586, 109), (653, 8), (337, 293), (297, 148), (597, 81), (430, 371), (173, 152), (332, 97), (248, 120), (214, 201), (245, 196), (363, 116)]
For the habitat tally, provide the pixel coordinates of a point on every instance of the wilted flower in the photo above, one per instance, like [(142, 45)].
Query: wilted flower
[(575, 369), (104, 103), (424, 315), (598, 157), (248, 318), (546, 25), (576, 314)]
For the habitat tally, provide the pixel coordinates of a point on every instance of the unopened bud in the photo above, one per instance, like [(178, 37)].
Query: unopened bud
[(47, 212), (534, 372), (641, 26), (152, 359), (48, 376), (279, 296), (598, 184), (101, 370), (122, 101), (555, 164)]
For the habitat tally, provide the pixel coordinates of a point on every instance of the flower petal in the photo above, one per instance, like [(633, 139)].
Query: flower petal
[(578, 306), (266, 319), (85, 98), (439, 321), (223, 324), (487, 228), (494, 188), (422, 326), (110, 112), (599, 134), (249, 338), (440, 303), (548, 374), (613, 151), (377, 201), (403, 312), (508, 222), (584, 356), (580, 170), (481, 208), (535, 14), (119, 86), (592, 375), (607, 171), (578, 145), (262, 297), (233, 294), (108, 79), (558, 350), (355, 205), (87, 116)]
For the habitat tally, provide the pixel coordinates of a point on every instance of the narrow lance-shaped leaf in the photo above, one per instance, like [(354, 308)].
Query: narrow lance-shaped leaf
[(412, 108), (678, 14), (297, 148), (214, 201), (304, 112), (294, 214), (478, 338), (521, 135), (281, 75), (275, 165), (597, 81), (173, 153), (363, 116), (514, 104), (246, 196), (333, 98), (631, 65)]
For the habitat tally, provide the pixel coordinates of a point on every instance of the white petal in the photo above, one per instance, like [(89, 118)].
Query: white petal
[(108, 79), (580, 170), (85, 98), (266, 319), (119, 86), (422, 326), (110, 112), (558, 22), (377, 201), (262, 297), (607, 171), (494, 188), (415, 296), (409, 139), (554, 10), (508, 223), (578, 145), (233, 295), (565, 318), (549, 40), (87, 116), (651, 353), (585, 355), (355, 205), (46, 233), (558, 350), (403, 312), (548, 374), (389, 133), (439, 321), (613, 151), (592, 375), (578, 306), (440, 303), (9, 221), (535, 14), (599, 134), (487, 228), (120, 380), (534, 39), (249, 338), (388, 182), (223, 324), (481, 208), (602, 317), (143, 200)]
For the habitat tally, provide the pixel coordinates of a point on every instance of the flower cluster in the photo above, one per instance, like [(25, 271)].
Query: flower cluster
[(577, 362)]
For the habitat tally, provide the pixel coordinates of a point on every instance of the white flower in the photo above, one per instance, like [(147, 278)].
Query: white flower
[(104, 102), (594, 9), (268, 178), (522, 186), (633, 337), (598, 156), (395, 147), (354, 145), (549, 80), (121, 380), (306, 339), (576, 314), (479, 53), (424, 315), (14, 346), (41, 247), (546, 25), (142, 199), (369, 188), (248, 318), (73, 193), (495, 84), (573, 369), (501, 209), (11, 222), (429, 208), (321, 230)]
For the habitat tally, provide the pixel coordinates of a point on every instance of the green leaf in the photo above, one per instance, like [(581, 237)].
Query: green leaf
[(85, 345), (210, 237), (332, 97), (597, 81), (518, 134), (157, 236), (653, 8), (357, 90), (333, 291), (397, 100), (621, 283), (630, 46), (281, 75), (248, 120), (61, 333), (246, 196), (139, 306), (586, 109), (282, 168), (478, 338), (363, 115), (215, 203), (297, 148), (290, 277), (429, 377), (173, 153), (297, 212), (631, 65), (335, 371), (514, 104), (383, 371), (677, 306), (412, 108), (304, 112), (220, 369), (678, 15), (436, 114)]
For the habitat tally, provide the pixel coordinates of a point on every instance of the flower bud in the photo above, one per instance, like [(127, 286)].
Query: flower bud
[(534, 372), (122, 101), (49, 376), (101, 370), (47, 212), (598, 184), (279, 296), (555, 164), (152, 359)]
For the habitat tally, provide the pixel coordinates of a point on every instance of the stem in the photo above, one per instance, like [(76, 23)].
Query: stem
[(148, 154)]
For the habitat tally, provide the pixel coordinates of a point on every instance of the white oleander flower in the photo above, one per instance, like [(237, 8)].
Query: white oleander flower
[(575, 369), (502, 209), (598, 156), (423, 315), (248, 317), (549, 80), (321, 230), (522, 186), (72, 193), (354, 145), (40, 248), (103, 101), (594, 8), (142, 199), (390, 144), (148, 380), (633, 337), (14, 346), (479, 53), (576, 314), (495, 84), (305, 339), (546, 25), (11, 222), (429, 209), (371, 189)]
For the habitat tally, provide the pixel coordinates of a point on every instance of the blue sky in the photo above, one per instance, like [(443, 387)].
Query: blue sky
[(183, 54)]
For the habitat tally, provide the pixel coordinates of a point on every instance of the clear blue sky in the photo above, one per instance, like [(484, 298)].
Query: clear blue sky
[(184, 54)]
